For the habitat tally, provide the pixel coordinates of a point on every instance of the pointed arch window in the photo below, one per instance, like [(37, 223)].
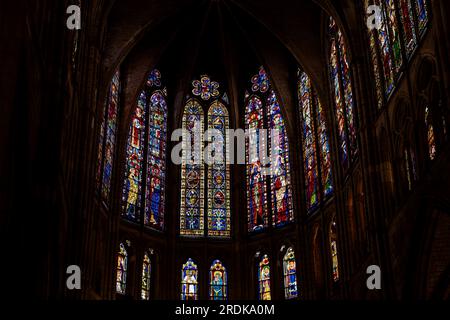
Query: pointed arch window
[(219, 174), (122, 269), (316, 147), (290, 275), (143, 195), (218, 281), (266, 186), (264, 279), (107, 139), (192, 172), (146, 277), (342, 95), (334, 250), (189, 281), (217, 190)]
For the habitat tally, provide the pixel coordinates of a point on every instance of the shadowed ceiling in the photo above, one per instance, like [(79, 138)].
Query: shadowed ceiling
[(225, 39)]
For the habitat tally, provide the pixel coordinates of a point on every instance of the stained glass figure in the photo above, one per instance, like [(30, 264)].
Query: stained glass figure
[(409, 29), (217, 281), (430, 134), (146, 277), (219, 174), (107, 141), (145, 178), (256, 184), (189, 281), (343, 95), (205, 88), (280, 184), (192, 172), (156, 161), (290, 275), (131, 194), (264, 279), (316, 148), (122, 269), (334, 251)]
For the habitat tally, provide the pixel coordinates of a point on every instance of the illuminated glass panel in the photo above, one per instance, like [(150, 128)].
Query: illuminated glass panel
[(189, 281), (122, 269), (407, 20), (107, 140), (131, 195), (146, 277), (256, 184), (334, 251), (264, 279), (219, 174), (280, 175), (156, 161), (422, 14), (324, 149), (217, 281), (310, 163), (343, 97), (394, 34), (290, 275), (192, 172), (430, 134)]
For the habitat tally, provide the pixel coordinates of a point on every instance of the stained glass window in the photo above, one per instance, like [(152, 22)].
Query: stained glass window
[(122, 269), (189, 281), (290, 275), (263, 111), (192, 172), (256, 184), (334, 251), (264, 279), (386, 43), (409, 30), (217, 281), (219, 174), (107, 141), (131, 195), (207, 97), (430, 134), (147, 139), (146, 277), (281, 204), (156, 161), (316, 148), (422, 14), (343, 95)]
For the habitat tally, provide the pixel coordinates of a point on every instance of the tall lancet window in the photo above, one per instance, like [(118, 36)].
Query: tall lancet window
[(342, 95), (122, 268), (107, 139), (264, 279), (189, 281), (205, 152), (316, 147), (267, 158), (146, 277), (218, 281), (192, 172), (290, 275), (334, 250), (143, 195), (219, 173)]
